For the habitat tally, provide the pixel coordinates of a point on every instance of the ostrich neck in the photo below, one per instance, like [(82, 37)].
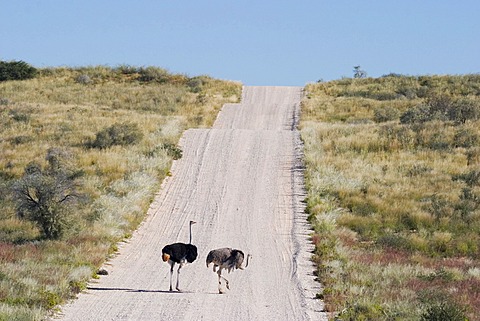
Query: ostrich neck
[(190, 233)]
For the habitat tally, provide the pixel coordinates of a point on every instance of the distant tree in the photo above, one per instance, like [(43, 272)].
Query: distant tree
[(45, 196), (359, 73), (16, 70)]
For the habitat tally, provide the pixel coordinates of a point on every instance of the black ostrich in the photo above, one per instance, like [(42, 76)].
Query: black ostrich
[(180, 253)]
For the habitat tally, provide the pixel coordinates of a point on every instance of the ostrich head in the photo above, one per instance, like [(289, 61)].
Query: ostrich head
[(249, 256)]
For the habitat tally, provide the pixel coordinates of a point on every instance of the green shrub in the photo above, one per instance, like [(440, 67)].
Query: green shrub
[(153, 74), (21, 139), (397, 136), (117, 134), (19, 116), (465, 137), (443, 107), (47, 299), (385, 114), (418, 114), (196, 83), (394, 241), (434, 135), (464, 109), (172, 150), (440, 307), (127, 69), (469, 202), (366, 226), (471, 178), (362, 312), (439, 106), (473, 156), (439, 207), (44, 196), (16, 70)]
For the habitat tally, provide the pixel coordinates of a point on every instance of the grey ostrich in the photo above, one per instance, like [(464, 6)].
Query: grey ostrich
[(228, 259), (180, 253)]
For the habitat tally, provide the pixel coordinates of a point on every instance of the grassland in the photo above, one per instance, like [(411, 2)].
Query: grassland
[(393, 180), (67, 110)]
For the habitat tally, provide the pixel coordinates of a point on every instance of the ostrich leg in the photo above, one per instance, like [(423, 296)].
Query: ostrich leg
[(220, 277), (171, 274), (178, 278)]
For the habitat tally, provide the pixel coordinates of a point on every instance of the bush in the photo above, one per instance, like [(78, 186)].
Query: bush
[(362, 311), (117, 134), (44, 196), (394, 241), (439, 106), (385, 114), (16, 70), (127, 69), (19, 116), (417, 114), (469, 202), (439, 307), (473, 156), (21, 139), (464, 109), (433, 135), (471, 178), (153, 74), (465, 137), (399, 136), (83, 79), (443, 108), (172, 150), (196, 83)]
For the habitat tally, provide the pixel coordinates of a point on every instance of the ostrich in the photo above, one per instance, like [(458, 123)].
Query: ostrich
[(225, 258), (180, 253)]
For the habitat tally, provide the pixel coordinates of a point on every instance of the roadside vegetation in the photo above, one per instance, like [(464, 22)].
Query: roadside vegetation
[(393, 180), (83, 152)]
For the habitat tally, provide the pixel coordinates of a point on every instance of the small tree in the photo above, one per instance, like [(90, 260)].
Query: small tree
[(359, 73), (45, 196), (16, 70)]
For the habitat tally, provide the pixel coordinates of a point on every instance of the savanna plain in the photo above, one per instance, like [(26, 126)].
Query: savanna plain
[(392, 174)]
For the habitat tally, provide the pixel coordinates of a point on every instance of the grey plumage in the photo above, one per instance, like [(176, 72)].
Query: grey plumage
[(228, 259)]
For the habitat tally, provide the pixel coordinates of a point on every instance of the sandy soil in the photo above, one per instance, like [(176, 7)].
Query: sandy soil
[(242, 182)]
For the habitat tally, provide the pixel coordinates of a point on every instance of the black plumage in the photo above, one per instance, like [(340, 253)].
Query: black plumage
[(181, 254)]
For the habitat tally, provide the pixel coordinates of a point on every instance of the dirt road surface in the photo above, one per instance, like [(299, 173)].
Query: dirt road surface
[(242, 182)]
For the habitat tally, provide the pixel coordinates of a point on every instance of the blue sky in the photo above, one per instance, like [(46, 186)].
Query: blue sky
[(256, 42)]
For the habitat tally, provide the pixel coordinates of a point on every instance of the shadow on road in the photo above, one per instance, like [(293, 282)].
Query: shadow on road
[(134, 290)]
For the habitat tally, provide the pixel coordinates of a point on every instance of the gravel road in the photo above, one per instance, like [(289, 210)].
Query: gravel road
[(242, 182)]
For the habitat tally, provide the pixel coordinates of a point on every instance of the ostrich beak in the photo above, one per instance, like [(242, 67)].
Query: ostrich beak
[(165, 257)]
